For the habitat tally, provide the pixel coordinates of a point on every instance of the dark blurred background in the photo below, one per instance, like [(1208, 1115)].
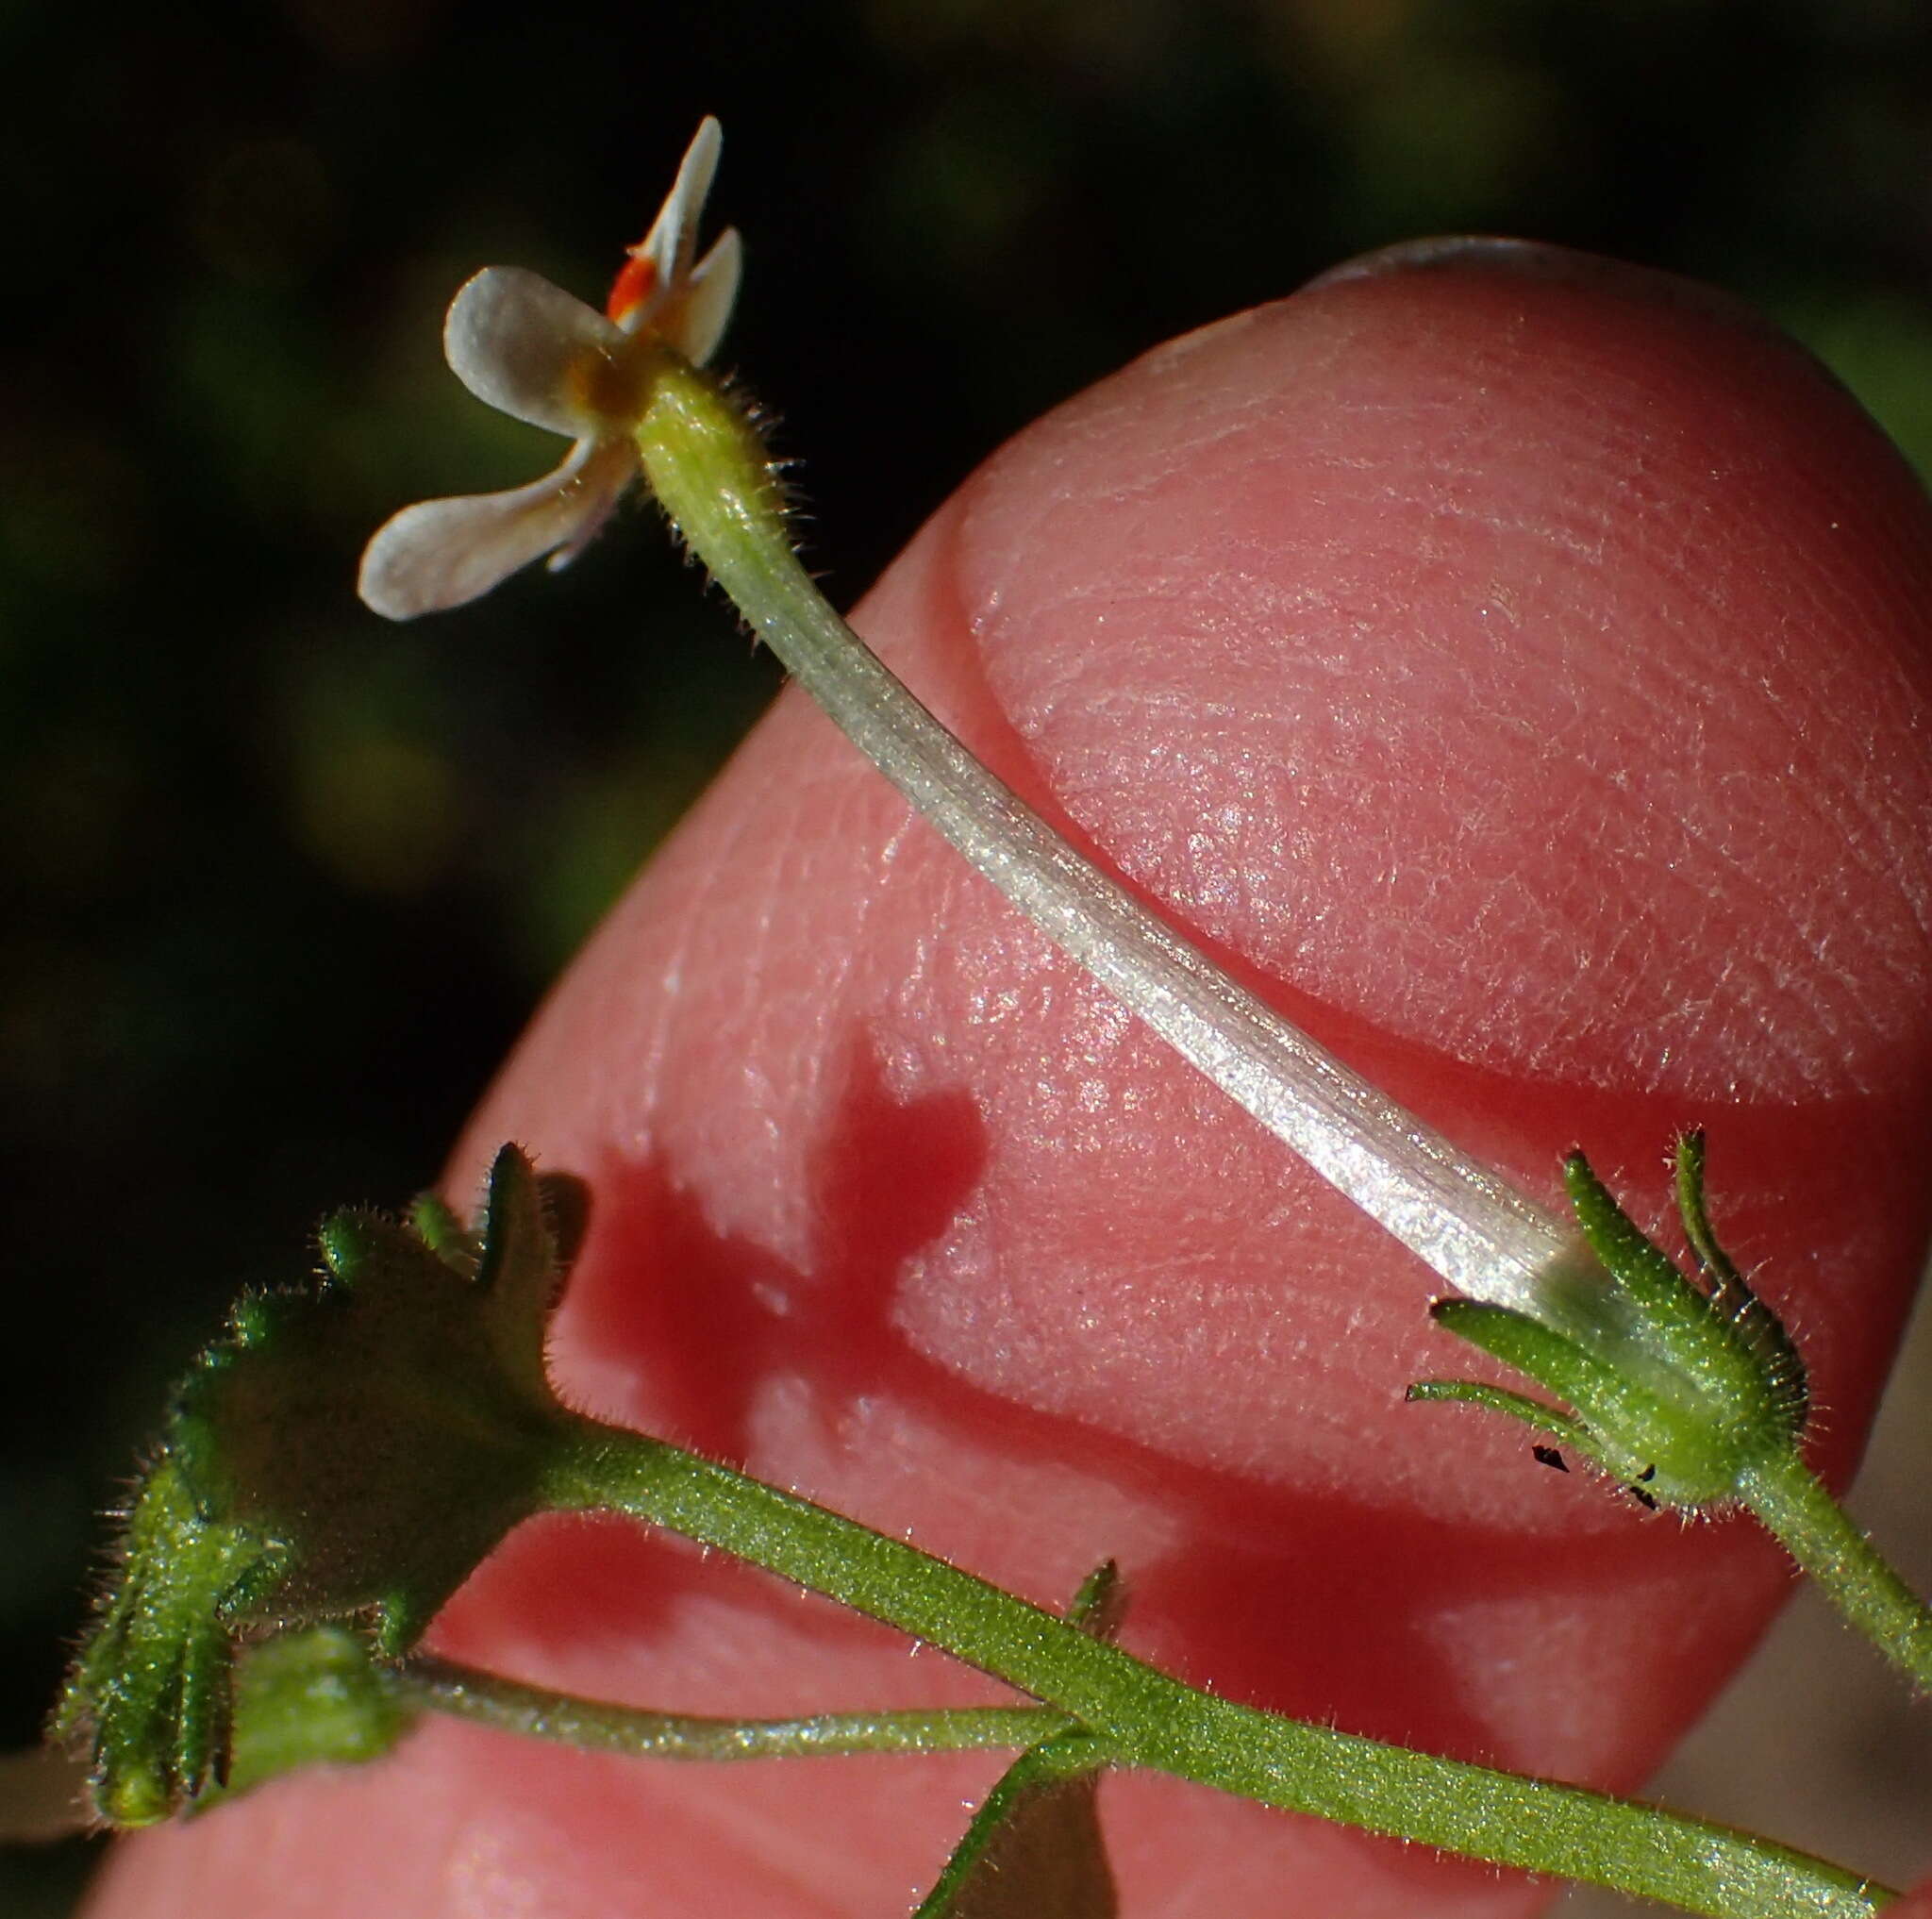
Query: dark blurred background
[(282, 882)]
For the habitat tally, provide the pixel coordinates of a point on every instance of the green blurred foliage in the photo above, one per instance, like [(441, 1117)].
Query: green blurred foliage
[(280, 883)]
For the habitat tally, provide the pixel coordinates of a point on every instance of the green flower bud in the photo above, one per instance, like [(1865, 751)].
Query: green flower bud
[(349, 1451)]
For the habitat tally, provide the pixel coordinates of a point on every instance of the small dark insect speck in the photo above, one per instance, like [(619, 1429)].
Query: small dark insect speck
[(1648, 1474), (1549, 1455), (1641, 1497)]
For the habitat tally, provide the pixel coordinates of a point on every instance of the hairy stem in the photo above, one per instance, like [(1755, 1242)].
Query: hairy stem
[(1147, 1719), (1490, 1242), (437, 1685), (1793, 1506)]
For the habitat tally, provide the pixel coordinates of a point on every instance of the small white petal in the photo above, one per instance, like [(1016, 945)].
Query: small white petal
[(588, 528), (521, 345), (708, 299), (446, 552), (673, 240)]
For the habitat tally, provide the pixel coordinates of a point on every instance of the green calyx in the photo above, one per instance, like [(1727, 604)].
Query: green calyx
[(348, 1451), (1680, 1388)]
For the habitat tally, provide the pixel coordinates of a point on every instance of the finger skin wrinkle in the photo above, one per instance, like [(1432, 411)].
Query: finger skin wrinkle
[(1673, 582)]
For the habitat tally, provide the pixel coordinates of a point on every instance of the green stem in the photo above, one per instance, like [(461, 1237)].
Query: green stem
[(426, 1683), (1147, 1719), (707, 467), (1793, 1506)]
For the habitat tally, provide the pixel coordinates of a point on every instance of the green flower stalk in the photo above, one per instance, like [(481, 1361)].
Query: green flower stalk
[(275, 1578)]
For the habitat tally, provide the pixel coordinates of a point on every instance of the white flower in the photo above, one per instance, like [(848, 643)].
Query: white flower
[(538, 354)]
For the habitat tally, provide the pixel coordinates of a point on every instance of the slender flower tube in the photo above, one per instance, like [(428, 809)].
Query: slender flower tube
[(632, 392), (1684, 1390)]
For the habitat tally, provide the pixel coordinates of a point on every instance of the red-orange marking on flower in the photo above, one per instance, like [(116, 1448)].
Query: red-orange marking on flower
[(632, 286)]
